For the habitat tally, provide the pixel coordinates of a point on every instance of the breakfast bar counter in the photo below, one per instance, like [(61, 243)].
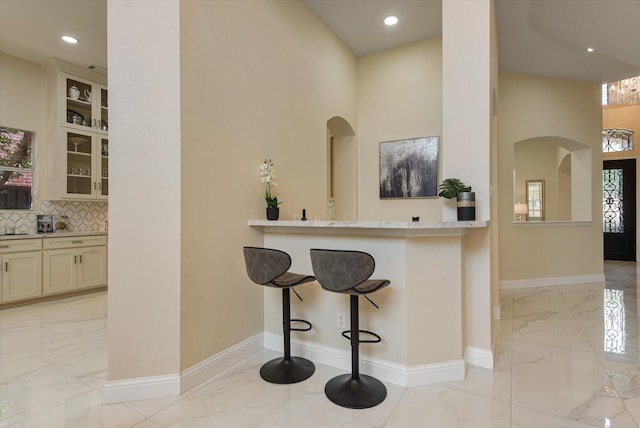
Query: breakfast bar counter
[(372, 228), (420, 318)]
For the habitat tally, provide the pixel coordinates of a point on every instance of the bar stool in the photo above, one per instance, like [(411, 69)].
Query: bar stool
[(348, 272), (268, 267)]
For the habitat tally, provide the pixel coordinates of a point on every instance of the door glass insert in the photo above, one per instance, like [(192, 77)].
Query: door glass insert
[(617, 140), (612, 211)]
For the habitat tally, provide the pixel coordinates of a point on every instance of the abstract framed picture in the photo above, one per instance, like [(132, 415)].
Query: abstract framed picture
[(409, 168)]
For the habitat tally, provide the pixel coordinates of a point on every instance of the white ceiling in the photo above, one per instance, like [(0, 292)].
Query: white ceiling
[(544, 37)]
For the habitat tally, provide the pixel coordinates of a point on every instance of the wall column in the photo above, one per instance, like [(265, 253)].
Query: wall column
[(467, 71), (144, 200)]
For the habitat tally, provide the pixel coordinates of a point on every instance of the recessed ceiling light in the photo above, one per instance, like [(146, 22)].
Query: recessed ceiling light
[(391, 20), (589, 50), (70, 39)]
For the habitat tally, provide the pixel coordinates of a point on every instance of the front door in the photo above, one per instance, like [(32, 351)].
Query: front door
[(619, 209)]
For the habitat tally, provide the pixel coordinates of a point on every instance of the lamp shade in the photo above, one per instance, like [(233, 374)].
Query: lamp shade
[(520, 208)]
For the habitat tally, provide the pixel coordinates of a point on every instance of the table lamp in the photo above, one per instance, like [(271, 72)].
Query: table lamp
[(519, 209)]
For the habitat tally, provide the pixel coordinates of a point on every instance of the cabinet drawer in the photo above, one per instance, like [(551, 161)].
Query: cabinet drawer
[(74, 242), (16, 245)]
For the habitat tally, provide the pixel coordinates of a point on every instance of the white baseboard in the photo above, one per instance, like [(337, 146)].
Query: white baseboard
[(218, 364), (424, 374), (428, 374), (551, 281), (142, 388), (479, 357), (173, 385)]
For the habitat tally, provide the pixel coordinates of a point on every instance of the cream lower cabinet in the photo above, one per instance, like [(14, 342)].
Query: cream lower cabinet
[(21, 269), (74, 263)]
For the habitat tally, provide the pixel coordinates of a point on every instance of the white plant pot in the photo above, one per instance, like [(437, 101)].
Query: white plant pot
[(449, 209)]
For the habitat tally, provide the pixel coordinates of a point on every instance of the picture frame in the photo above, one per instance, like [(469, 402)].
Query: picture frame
[(409, 168)]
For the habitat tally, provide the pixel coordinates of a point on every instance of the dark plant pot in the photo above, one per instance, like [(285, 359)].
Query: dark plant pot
[(466, 206), (273, 213)]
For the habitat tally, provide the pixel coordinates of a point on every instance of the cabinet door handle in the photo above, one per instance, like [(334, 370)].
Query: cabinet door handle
[(95, 185), (4, 246), (80, 258), (6, 266), (76, 242), (75, 260)]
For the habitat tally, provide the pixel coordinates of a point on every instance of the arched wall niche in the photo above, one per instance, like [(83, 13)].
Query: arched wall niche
[(342, 170), (564, 165), (564, 186)]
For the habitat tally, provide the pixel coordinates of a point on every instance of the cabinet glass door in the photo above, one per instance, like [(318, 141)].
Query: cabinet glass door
[(104, 109), (79, 163), (78, 102), (104, 167)]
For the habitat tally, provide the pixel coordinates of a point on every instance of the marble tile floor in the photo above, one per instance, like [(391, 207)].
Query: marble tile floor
[(567, 357)]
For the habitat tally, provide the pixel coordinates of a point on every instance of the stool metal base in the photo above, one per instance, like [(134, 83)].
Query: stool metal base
[(359, 393), (284, 371)]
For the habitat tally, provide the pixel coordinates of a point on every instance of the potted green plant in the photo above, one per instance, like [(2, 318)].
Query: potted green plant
[(451, 188), (267, 173)]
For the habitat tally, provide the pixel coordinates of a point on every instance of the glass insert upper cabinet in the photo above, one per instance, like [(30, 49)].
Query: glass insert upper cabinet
[(86, 164), (86, 104), (78, 157), (103, 180)]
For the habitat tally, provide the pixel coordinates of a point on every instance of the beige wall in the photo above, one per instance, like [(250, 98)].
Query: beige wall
[(532, 107), (23, 104), (23, 95), (622, 116), (399, 97), (262, 82)]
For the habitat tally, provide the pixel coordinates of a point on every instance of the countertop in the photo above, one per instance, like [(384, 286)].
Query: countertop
[(50, 235), (380, 228)]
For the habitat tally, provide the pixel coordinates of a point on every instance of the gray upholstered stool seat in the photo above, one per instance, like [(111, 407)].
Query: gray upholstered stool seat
[(348, 272), (269, 267), (289, 279)]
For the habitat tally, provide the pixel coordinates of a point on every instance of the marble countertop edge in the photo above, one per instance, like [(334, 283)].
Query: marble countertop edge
[(407, 225), (51, 235)]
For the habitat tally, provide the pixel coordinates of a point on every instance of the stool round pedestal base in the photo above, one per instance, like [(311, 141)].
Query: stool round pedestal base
[(360, 393), (284, 371)]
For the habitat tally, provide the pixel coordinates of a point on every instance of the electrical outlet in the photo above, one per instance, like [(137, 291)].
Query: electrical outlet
[(340, 320)]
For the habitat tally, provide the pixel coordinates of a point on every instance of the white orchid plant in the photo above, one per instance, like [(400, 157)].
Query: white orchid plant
[(267, 173)]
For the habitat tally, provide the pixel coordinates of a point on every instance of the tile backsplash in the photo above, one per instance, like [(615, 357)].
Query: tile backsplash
[(83, 216)]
